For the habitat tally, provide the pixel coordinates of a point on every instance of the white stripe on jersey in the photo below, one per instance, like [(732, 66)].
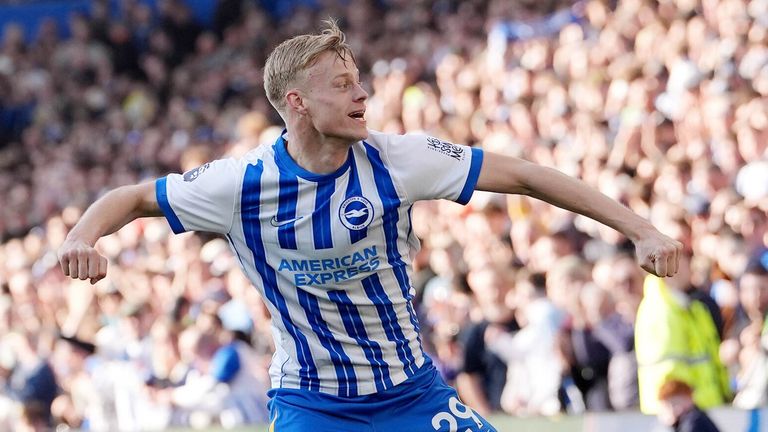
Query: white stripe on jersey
[(330, 253)]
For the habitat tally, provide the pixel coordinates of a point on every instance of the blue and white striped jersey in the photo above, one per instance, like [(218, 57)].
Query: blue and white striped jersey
[(330, 253)]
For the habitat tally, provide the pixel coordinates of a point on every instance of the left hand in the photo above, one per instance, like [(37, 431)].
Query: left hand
[(80, 260), (658, 254)]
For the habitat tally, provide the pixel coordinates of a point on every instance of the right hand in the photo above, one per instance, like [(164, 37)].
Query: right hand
[(79, 260)]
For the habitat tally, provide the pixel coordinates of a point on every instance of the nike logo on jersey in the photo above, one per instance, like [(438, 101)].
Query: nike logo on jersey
[(277, 224)]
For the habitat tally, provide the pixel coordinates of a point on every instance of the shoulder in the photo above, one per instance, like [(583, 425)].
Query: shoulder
[(399, 149), (377, 140), (697, 420), (409, 137), (381, 140), (260, 153), (221, 172)]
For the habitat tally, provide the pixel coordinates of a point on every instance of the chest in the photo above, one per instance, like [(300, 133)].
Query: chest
[(333, 219)]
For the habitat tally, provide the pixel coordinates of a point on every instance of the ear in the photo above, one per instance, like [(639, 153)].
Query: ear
[(295, 102)]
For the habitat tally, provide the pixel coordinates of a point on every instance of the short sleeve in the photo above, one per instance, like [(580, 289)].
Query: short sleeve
[(429, 168), (202, 199), (225, 363)]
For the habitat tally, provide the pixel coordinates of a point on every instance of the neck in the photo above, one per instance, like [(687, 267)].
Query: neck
[(315, 152)]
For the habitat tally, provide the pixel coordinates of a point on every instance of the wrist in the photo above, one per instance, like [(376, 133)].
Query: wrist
[(639, 230), (76, 235)]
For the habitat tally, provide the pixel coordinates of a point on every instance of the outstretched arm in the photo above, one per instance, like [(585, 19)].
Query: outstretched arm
[(77, 256), (656, 253)]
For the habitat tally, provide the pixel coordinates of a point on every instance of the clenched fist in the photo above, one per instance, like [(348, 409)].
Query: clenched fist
[(659, 254), (80, 260)]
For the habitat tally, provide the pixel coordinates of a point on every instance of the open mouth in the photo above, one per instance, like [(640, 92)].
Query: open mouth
[(358, 115)]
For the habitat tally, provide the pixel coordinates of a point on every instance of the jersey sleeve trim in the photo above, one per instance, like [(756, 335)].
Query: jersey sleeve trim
[(161, 193), (472, 177)]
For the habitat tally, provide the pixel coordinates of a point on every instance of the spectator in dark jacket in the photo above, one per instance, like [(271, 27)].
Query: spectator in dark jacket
[(678, 410)]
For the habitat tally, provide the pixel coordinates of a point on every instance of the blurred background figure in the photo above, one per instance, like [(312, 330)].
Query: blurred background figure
[(615, 306), (534, 366), (676, 338), (483, 374), (678, 411), (28, 380), (752, 380)]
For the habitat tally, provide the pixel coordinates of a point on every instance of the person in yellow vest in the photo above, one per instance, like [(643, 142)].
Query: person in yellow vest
[(676, 338)]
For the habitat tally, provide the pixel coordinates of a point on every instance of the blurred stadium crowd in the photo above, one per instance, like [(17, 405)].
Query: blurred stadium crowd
[(662, 105)]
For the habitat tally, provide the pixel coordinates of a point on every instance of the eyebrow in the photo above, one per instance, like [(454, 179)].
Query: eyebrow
[(346, 74)]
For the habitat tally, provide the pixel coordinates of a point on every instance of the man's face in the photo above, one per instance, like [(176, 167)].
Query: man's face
[(671, 409), (334, 98), (754, 292), (490, 289), (626, 278)]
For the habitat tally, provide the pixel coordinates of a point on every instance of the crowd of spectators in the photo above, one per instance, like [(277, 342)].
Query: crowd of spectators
[(528, 310)]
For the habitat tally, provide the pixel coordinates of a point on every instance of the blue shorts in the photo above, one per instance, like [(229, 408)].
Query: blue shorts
[(423, 403)]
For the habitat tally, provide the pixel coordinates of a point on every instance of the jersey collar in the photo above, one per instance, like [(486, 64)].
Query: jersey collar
[(285, 162)]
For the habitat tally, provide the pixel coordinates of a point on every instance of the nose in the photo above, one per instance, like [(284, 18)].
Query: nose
[(360, 93)]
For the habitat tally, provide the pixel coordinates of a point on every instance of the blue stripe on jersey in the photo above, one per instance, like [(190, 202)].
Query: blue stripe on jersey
[(472, 177), (353, 323), (161, 194), (345, 372), (354, 189), (391, 202), (250, 202), (321, 217), (286, 210), (375, 292)]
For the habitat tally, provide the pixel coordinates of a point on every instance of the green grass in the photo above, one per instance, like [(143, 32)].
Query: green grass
[(558, 424)]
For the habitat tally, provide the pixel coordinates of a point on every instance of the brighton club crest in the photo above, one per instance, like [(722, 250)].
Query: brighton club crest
[(356, 213)]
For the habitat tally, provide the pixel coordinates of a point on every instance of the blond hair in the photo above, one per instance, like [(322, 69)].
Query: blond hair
[(289, 59)]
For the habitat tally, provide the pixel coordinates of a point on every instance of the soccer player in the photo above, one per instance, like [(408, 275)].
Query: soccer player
[(320, 223)]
